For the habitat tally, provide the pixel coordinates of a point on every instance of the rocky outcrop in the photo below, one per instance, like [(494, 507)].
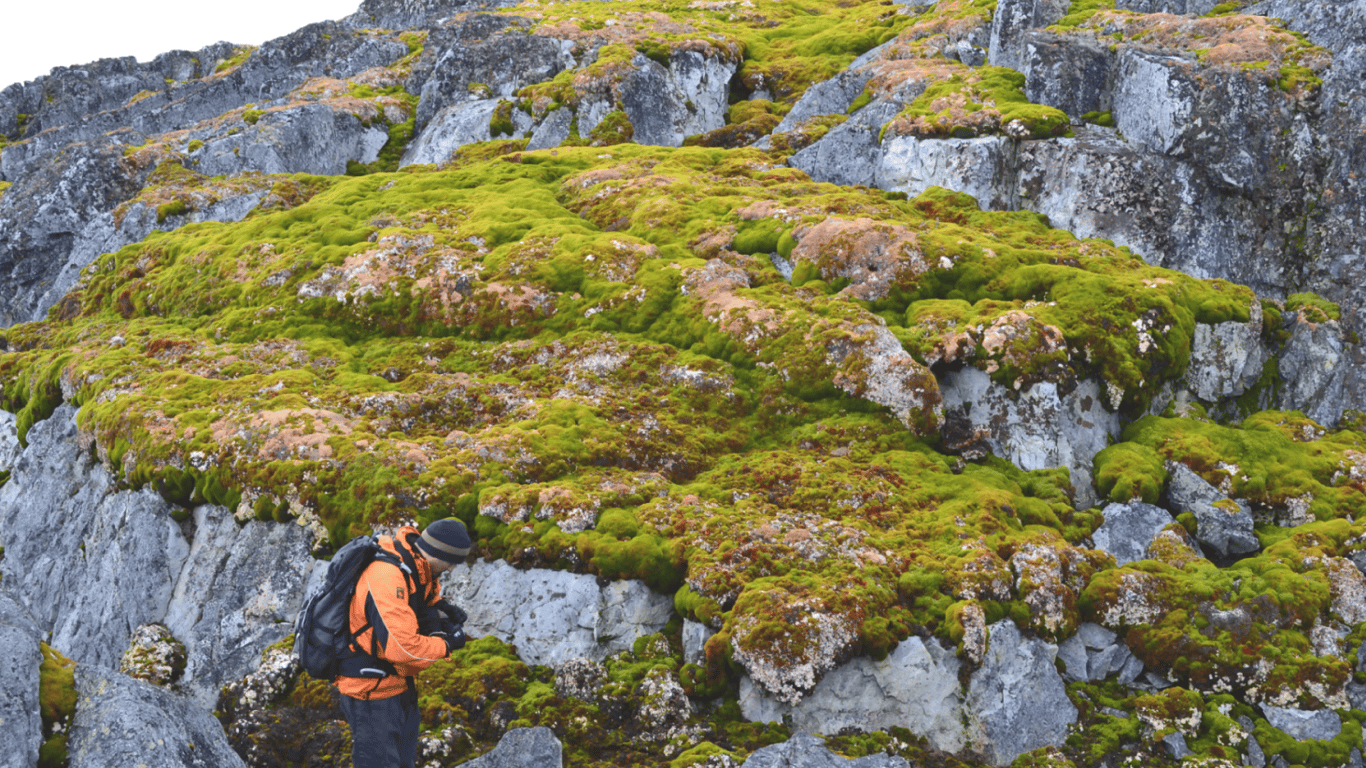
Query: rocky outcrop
[(1129, 529), (111, 561), (239, 592), (90, 562), (804, 750), (1095, 653), (21, 727), (1013, 703), (554, 616), (414, 14), (1224, 527), (122, 721), (523, 747)]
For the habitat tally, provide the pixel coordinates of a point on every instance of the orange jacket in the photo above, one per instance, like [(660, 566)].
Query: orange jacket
[(382, 601)]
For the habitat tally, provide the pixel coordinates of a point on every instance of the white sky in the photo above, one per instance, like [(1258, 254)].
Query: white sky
[(37, 35)]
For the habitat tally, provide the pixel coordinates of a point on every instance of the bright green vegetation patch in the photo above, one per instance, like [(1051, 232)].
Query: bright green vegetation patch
[(587, 354), (1082, 10), (979, 101), (1291, 469), (237, 59), (1315, 309), (4, 187), (57, 702)]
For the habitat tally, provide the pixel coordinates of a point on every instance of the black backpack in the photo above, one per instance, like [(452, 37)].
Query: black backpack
[(322, 633)]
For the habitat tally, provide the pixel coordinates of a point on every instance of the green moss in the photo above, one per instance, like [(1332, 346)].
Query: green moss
[(1313, 308), (501, 122), (57, 705), (238, 57), (250, 116), (981, 100)]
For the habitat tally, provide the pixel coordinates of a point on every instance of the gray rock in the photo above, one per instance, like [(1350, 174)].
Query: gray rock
[(450, 129), (829, 97), (20, 657), (665, 105), (1037, 428), (553, 616), (239, 592), (1253, 751), (1175, 744), (415, 14), (1071, 73), (1094, 636), (915, 687), (804, 750), (122, 721), (101, 235), (1128, 530), (849, 153), (1322, 724), (90, 563), (1098, 664), (1178, 7), (552, 131), (523, 748), (1016, 700), (1354, 760), (1132, 669), (1221, 531), (971, 166), (9, 440), (1312, 366), (695, 637), (1073, 654), (482, 52), (1010, 24), (313, 138), (1226, 359), (45, 211)]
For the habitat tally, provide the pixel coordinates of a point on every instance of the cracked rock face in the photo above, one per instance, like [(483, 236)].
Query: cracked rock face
[(1129, 529), (20, 657)]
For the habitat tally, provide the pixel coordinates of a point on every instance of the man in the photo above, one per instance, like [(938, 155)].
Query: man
[(398, 624)]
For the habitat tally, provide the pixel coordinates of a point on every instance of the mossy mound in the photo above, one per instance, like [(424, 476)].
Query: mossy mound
[(57, 702)]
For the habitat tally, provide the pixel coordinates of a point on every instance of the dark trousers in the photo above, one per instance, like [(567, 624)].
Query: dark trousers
[(383, 731)]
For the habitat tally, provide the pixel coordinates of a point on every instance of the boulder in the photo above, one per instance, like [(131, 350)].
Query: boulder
[(1224, 527), (1036, 428), (523, 748), (915, 687), (1128, 530), (1226, 358), (804, 750), (239, 592), (123, 721), (21, 656), (695, 637), (458, 125), (667, 104), (415, 14), (1313, 366), (972, 166), (554, 616), (1323, 724), (1016, 701)]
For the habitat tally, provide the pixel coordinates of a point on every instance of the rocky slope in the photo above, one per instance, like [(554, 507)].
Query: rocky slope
[(971, 383)]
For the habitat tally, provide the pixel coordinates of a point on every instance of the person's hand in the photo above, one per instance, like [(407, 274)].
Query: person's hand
[(452, 612), (453, 637)]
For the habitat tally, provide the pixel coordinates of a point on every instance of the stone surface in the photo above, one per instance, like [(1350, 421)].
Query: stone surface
[(1129, 529), (1017, 701), (1011, 23), (1037, 428), (804, 750), (9, 441), (313, 138), (21, 726), (240, 590), (1322, 724), (523, 748), (667, 104), (695, 637), (915, 687), (1222, 531), (454, 127), (1226, 359), (849, 153), (1313, 366), (122, 721), (554, 616), (91, 563)]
